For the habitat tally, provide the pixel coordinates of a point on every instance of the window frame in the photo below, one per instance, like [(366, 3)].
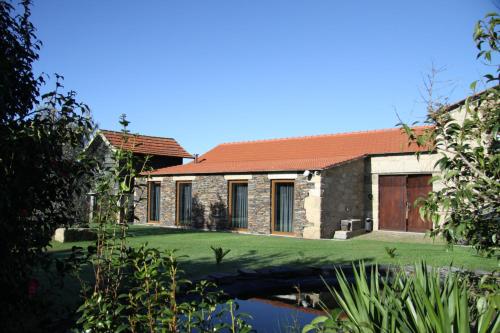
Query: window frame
[(230, 184), (151, 184), (274, 182), (177, 201)]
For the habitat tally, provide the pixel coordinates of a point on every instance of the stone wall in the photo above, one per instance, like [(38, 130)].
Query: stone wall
[(210, 202), (167, 200), (210, 195), (342, 195), (259, 204), (140, 200), (302, 187), (104, 155), (346, 191), (312, 207)]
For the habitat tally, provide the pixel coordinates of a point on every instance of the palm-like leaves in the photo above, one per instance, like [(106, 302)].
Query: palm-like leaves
[(219, 253)]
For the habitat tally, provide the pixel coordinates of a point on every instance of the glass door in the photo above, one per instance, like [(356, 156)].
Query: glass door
[(238, 204), (282, 206), (184, 203)]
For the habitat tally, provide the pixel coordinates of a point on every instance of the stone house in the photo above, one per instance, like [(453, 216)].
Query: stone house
[(161, 152), (300, 186)]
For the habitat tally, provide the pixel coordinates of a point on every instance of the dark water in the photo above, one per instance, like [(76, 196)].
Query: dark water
[(274, 317), (283, 300), (284, 312)]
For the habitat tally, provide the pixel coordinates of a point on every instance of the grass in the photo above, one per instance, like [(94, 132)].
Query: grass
[(252, 251)]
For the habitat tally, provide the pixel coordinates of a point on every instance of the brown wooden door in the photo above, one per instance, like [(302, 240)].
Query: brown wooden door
[(417, 186), (392, 203)]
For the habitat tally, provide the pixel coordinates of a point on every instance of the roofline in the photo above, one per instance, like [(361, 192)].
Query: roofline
[(472, 97), (132, 134), (321, 135), (97, 133), (361, 157), (145, 154), (150, 173), (100, 132), (425, 152), (221, 173)]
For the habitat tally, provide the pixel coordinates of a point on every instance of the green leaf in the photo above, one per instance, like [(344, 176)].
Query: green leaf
[(473, 85)]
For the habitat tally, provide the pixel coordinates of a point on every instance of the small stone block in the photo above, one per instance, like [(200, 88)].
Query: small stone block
[(64, 235)]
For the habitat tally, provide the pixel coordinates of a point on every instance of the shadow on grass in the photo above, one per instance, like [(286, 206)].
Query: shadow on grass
[(199, 267)]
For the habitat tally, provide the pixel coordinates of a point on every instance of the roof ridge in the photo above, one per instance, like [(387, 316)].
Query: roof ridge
[(143, 135), (276, 159), (319, 135)]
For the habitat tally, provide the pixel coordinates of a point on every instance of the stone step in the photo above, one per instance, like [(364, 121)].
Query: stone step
[(340, 234)]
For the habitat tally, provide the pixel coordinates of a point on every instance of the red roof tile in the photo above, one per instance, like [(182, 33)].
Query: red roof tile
[(147, 145), (295, 154)]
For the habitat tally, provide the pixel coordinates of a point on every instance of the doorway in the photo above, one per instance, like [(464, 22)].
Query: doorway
[(397, 196)]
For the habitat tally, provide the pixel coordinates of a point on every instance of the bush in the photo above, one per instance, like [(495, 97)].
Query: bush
[(41, 166), (419, 302), (219, 253), (464, 208), (391, 251)]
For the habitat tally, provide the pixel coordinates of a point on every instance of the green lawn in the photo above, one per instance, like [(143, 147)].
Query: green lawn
[(250, 251)]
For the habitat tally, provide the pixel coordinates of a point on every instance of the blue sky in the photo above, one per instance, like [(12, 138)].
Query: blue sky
[(207, 72)]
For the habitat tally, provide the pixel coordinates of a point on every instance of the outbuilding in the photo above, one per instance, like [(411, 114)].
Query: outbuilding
[(302, 187)]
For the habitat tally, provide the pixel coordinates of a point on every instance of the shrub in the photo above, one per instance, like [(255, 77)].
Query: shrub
[(219, 253), (391, 251), (464, 207), (42, 169), (418, 302)]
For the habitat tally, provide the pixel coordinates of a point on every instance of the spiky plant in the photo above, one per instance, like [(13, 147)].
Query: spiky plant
[(219, 253), (419, 302)]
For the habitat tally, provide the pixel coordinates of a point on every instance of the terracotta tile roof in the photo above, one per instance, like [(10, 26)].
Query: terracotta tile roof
[(295, 154), (148, 145)]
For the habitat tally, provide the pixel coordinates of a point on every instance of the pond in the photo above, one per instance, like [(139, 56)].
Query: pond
[(284, 312), (281, 299)]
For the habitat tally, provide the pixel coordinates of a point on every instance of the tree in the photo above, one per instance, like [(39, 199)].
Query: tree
[(41, 163), (466, 208)]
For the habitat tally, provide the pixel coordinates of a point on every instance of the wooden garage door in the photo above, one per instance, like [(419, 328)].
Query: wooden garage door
[(417, 186), (392, 200), (397, 195)]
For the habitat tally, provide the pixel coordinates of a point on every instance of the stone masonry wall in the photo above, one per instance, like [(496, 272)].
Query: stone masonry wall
[(210, 202), (210, 195), (302, 187), (140, 200), (259, 204), (167, 201), (342, 195)]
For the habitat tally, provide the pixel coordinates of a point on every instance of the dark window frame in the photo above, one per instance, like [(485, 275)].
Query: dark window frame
[(274, 182), (177, 201), (151, 185), (230, 203)]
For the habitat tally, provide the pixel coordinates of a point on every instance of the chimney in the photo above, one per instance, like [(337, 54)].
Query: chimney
[(195, 158)]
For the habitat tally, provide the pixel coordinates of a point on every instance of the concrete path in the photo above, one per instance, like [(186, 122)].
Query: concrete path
[(396, 236)]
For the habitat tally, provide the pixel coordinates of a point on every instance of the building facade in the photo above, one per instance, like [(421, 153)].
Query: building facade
[(301, 187), (151, 152)]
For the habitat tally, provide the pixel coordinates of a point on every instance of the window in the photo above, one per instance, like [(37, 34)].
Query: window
[(282, 206), (154, 193), (238, 204), (184, 203)]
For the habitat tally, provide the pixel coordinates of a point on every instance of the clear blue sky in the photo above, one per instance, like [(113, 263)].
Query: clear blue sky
[(207, 72)]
